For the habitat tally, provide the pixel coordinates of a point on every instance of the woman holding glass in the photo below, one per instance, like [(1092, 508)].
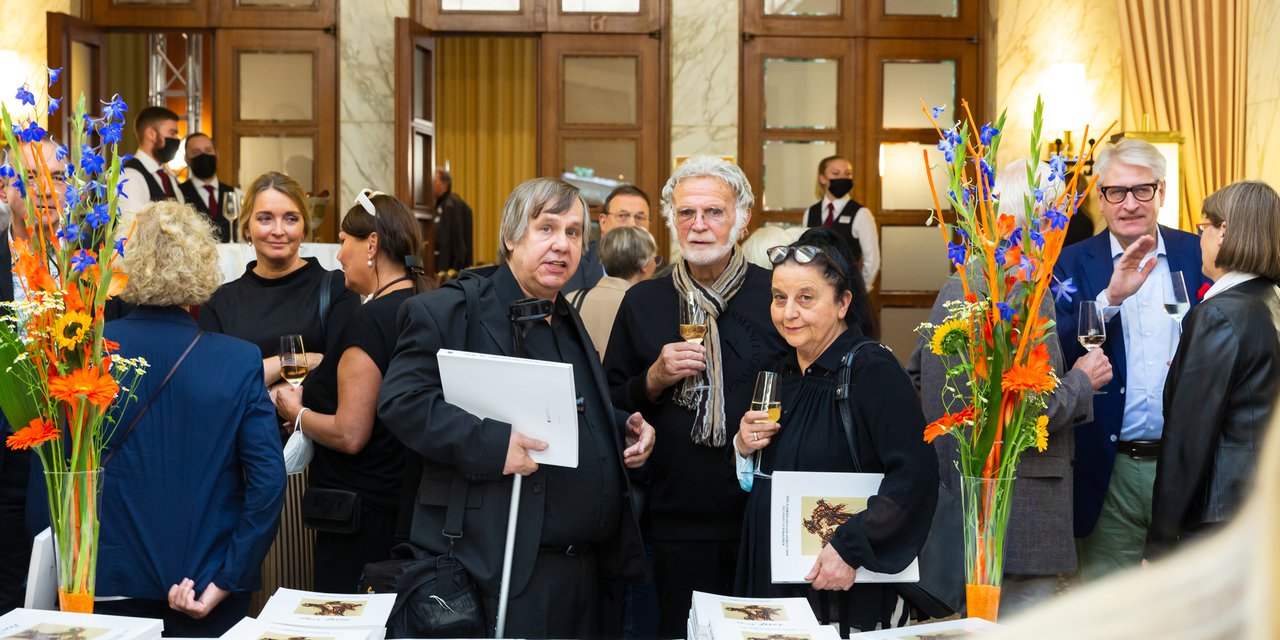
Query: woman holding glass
[(281, 293), (1223, 380), (820, 307), (357, 461)]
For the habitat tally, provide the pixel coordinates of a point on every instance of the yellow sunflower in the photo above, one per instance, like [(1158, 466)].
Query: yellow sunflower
[(71, 329), (1042, 433), (950, 337)]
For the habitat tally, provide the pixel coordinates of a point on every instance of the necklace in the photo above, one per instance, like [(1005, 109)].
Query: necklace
[(384, 287)]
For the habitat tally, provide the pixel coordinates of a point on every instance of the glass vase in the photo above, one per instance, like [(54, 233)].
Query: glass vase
[(74, 497), (986, 516)]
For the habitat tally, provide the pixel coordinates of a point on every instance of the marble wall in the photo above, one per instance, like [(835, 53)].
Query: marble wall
[(704, 77), (22, 42), (1262, 113), (366, 113)]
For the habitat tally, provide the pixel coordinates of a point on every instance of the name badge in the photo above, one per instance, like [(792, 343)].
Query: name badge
[(844, 219)]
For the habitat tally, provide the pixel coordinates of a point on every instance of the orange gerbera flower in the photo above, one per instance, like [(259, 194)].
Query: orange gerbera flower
[(99, 389), (1036, 375), (110, 346), (39, 430), (947, 423)]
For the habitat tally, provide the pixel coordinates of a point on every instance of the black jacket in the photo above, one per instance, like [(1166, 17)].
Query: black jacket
[(452, 441), (200, 199), (453, 233), (1217, 398)]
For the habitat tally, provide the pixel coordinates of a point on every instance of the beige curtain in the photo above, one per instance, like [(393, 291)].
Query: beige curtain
[(487, 124), (1185, 65)]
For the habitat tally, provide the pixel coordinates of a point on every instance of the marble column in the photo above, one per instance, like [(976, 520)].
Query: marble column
[(1262, 110), (704, 78), (366, 115)]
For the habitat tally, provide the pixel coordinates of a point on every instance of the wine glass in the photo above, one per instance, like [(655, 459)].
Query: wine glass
[(766, 398), (693, 319), (1091, 330), (1176, 301), (293, 359), (231, 211)]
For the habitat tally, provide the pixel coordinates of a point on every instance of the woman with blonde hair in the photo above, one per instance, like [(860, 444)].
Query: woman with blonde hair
[(629, 255), (196, 474)]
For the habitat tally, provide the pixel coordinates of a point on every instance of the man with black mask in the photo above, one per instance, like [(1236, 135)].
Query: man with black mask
[(844, 215), (202, 189), (148, 179)]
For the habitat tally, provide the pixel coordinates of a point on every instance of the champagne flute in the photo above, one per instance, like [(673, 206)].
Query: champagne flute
[(693, 319), (1091, 330), (766, 398), (1176, 301), (231, 211), (293, 359)]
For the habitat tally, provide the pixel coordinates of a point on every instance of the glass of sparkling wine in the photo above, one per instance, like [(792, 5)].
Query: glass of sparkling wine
[(293, 359), (1091, 330), (1176, 302), (693, 319), (766, 398)]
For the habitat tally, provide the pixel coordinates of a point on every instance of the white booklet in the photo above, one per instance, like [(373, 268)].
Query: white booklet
[(535, 397), (805, 510), (951, 630), (329, 611), (250, 629), (42, 573), (30, 623), (761, 612), (744, 630)]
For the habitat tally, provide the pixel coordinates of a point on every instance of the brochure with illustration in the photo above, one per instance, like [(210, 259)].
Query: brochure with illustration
[(747, 630), (250, 629), (763, 613), (59, 625), (329, 611), (806, 509), (950, 630)]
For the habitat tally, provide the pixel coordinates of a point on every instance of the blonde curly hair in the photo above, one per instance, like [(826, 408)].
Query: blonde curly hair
[(171, 257)]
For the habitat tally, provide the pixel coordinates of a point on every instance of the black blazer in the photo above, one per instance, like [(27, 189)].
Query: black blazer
[(1217, 400), (200, 199), (452, 441)]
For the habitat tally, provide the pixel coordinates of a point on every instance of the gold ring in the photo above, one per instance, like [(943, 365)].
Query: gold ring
[(755, 436)]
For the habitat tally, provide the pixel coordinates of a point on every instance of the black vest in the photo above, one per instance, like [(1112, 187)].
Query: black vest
[(199, 199), (816, 216), (153, 184)]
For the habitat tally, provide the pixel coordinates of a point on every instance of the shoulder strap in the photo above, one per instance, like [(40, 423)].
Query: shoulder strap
[(154, 395), (845, 395), (326, 295), (577, 297), (460, 487)]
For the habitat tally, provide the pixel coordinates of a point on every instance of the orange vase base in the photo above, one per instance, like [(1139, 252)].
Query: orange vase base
[(983, 601), (75, 602)]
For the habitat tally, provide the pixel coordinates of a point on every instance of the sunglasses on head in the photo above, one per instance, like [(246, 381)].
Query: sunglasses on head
[(803, 254)]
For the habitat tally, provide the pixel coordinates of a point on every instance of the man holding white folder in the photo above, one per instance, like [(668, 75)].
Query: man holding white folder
[(575, 525)]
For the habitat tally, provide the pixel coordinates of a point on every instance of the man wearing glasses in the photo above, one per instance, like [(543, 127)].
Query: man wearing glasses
[(625, 206), (1126, 270)]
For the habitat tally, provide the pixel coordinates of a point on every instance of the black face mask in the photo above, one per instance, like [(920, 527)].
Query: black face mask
[(204, 166), (839, 186), (168, 151)]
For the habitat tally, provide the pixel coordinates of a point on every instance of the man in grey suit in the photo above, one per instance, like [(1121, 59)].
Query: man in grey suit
[(1039, 545)]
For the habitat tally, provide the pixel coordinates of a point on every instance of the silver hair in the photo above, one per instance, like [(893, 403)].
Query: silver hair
[(710, 167), (531, 199), (1012, 188), (626, 250), (1131, 151)]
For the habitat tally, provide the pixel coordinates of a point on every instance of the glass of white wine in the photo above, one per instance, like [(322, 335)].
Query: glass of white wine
[(1176, 301), (693, 319), (293, 359), (766, 398), (1091, 330), (231, 211)]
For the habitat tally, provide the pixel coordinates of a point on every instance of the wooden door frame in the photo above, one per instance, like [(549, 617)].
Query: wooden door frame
[(61, 31), (410, 36)]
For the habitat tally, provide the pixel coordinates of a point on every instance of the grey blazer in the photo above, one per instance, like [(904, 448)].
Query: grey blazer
[(1039, 540)]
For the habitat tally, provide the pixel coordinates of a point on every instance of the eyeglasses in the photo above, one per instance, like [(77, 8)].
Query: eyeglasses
[(657, 260), (710, 216), (803, 254), (625, 217), (1141, 192), (1204, 224)]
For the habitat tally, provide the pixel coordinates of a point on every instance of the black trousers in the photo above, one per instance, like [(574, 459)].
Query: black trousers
[(562, 600), (15, 544), (680, 568), (178, 624), (340, 557)]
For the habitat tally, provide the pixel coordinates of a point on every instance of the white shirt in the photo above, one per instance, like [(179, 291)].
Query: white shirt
[(864, 229), (135, 190), (1231, 279), (1150, 338)]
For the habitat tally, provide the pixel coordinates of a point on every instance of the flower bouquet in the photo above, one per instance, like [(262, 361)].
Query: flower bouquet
[(993, 342), (64, 389)]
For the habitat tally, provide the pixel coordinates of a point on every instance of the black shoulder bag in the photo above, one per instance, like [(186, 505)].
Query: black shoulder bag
[(435, 598), (940, 591)]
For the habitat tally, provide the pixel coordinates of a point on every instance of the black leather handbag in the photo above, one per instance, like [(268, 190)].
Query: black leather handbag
[(331, 510), (940, 591)]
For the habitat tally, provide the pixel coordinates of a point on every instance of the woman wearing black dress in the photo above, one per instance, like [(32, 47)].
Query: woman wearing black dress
[(357, 461), (282, 293), (815, 291)]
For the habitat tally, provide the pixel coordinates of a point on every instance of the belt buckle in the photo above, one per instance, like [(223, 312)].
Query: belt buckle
[(570, 551)]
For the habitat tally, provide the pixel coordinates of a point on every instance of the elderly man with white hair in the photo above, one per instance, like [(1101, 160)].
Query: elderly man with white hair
[(687, 388)]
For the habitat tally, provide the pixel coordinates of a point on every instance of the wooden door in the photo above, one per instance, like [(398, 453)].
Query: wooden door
[(415, 131), (79, 49)]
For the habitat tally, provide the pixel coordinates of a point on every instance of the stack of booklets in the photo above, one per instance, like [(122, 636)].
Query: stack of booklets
[(36, 623), (715, 617), (950, 630), (292, 614)]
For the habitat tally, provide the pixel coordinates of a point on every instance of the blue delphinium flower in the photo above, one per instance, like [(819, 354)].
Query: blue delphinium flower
[(1062, 290), (1015, 238), (120, 242), (948, 150), (81, 261), (25, 96), (53, 75), (988, 172), (115, 109), (958, 252), (1039, 195), (111, 133), (69, 232), (95, 188), (33, 132), (1037, 238), (986, 134), (937, 111), (1027, 266), (61, 153), (120, 189), (1006, 311), (20, 186), (1057, 167), (72, 196), (99, 216), (6, 171), (54, 103), (91, 162), (1056, 219)]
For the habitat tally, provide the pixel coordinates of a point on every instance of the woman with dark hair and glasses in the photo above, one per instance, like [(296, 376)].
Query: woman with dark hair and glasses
[(357, 475), (820, 307)]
